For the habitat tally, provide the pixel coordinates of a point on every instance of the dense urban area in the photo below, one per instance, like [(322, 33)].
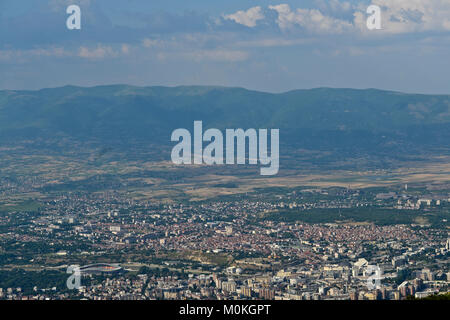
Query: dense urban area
[(303, 243)]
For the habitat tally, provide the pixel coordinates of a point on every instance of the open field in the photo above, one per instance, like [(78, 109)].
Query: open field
[(164, 181)]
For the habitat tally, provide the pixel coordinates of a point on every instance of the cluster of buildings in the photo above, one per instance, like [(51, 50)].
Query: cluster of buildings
[(222, 250)]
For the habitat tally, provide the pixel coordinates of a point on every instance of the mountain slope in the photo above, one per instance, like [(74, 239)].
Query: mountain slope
[(317, 117)]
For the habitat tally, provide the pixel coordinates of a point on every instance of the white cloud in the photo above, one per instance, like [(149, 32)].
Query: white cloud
[(398, 16), (218, 55), (6, 54), (285, 15), (125, 48), (334, 6), (337, 5), (148, 43), (247, 18), (97, 53), (23, 55), (201, 56), (58, 5), (271, 42), (310, 19), (406, 16)]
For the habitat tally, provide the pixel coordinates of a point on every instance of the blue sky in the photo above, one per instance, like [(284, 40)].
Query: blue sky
[(264, 45)]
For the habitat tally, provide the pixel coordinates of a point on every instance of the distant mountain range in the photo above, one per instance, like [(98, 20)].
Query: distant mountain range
[(316, 118)]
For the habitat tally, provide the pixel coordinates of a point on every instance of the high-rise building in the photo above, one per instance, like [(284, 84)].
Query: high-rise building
[(384, 295), (403, 291), (427, 275), (396, 295), (267, 294), (246, 292), (229, 286)]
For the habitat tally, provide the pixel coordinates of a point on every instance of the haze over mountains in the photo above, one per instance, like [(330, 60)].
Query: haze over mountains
[(317, 118)]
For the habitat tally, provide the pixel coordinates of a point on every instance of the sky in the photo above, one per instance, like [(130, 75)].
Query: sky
[(272, 46)]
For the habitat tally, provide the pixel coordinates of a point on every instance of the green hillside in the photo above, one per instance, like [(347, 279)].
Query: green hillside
[(316, 117)]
